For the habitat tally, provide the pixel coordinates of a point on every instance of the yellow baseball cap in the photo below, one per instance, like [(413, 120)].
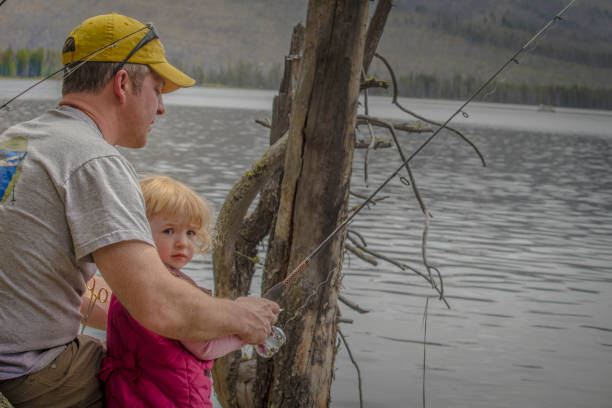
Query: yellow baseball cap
[(125, 34)]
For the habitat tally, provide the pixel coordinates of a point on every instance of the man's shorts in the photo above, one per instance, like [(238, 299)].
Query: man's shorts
[(69, 381)]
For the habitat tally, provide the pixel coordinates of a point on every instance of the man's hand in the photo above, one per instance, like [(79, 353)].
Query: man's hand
[(259, 315)]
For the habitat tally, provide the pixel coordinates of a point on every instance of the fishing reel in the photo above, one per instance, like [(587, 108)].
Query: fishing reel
[(274, 342), (269, 347)]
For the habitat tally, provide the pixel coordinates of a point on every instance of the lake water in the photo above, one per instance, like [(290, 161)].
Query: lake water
[(524, 246)]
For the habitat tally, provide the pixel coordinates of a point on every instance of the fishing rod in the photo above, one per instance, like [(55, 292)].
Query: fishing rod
[(275, 292), (73, 66)]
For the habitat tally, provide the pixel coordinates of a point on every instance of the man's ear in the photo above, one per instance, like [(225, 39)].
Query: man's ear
[(120, 84)]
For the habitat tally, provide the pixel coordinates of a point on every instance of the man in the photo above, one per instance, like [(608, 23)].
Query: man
[(69, 199)]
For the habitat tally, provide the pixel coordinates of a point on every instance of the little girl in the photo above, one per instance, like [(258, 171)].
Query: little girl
[(143, 369)]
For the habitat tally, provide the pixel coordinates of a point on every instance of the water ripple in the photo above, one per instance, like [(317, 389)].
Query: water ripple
[(523, 246)]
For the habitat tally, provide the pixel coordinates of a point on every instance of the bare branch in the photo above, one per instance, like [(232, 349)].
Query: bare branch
[(396, 103), (425, 213), (363, 197), (232, 214), (373, 83), (428, 277), (411, 127), (254, 260), (407, 166), (424, 345), (360, 254), (264, 122), (370, 131), (352, 305), (375, 31), (376, 254), (361, 238), (355, 364), (379, 143)]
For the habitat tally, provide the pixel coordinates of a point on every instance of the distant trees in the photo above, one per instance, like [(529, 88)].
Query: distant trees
[(32, 63), (28, 62), (419, 85), (7, 63), (241, 75), (245, 74)]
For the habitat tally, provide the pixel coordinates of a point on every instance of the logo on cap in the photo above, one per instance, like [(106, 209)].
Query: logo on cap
[(69, 45)]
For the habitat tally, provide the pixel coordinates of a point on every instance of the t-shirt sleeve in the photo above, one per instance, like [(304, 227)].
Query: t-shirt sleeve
[(104, 205)]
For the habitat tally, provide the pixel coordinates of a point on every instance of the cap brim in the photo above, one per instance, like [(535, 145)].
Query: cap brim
[(175, 78)]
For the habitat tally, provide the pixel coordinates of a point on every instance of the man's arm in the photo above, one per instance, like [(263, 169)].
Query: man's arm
[(172, 307)]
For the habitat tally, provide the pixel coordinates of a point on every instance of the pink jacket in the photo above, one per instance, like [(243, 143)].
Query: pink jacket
[(144, 369)]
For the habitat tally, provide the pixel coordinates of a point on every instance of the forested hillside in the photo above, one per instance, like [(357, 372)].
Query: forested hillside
[(439, 48)]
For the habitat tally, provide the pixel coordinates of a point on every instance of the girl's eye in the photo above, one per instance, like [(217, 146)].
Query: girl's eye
[(191, 233), (168, 231)]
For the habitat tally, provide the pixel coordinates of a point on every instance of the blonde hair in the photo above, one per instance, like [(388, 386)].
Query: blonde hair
[(167, 197)]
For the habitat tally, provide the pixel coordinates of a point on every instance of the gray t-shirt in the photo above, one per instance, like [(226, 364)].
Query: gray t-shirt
[(65, 192)]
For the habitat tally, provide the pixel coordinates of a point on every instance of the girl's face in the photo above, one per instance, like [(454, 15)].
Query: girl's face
[(175, 239)]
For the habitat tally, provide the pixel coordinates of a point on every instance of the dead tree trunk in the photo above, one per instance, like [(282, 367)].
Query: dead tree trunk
[(314, 198), (311, 151), (238, 237), (313, 201)]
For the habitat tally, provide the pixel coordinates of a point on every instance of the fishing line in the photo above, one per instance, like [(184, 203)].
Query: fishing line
[(70, 69), (277, 338), (275, 291), (308, 299)]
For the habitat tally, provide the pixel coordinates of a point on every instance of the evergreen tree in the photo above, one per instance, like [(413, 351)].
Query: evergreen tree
[(23, 60), (246, 74), (52, 61), (9, 67), (35, 65)]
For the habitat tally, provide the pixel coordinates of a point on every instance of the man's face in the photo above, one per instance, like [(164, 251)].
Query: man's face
[(141, 109)]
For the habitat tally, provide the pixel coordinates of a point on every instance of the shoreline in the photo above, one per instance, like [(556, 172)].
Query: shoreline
[(575, 121)]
